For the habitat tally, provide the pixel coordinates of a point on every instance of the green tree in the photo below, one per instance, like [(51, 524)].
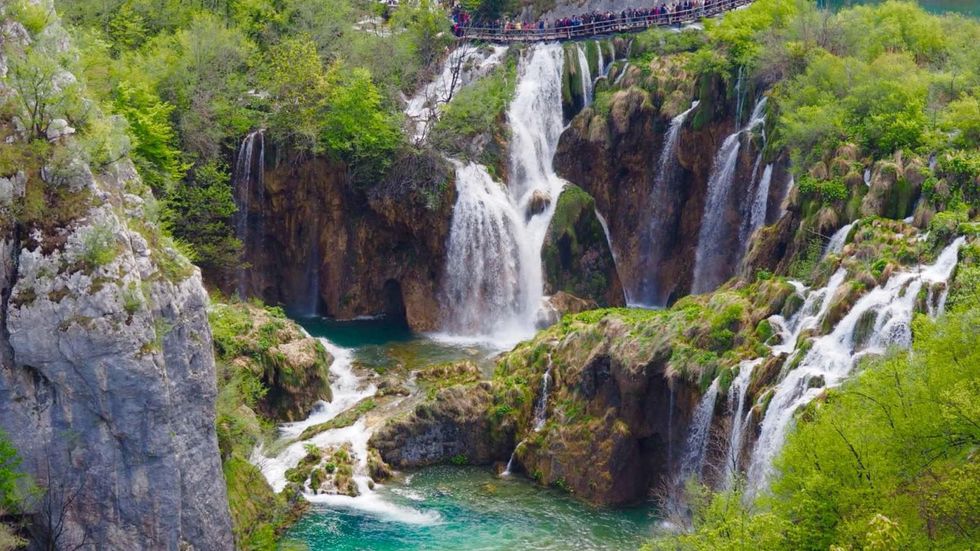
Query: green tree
[(154, 148), (200, 214)]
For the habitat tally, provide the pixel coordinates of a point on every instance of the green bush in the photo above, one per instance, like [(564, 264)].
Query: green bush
[(99, 247)]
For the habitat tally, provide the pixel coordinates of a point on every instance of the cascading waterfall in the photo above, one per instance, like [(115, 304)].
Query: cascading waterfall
[(837, 241), (541, 409), (760, 204), (540, 414), (464, 65), (494, 288), (739, 96), (696, 447), (622, 73), (648, 293), (709, 263), (242, 180), (831, 357), (740, 417), (583, 65), (605, 231), (348, 389), (602, 61), (756, 215)]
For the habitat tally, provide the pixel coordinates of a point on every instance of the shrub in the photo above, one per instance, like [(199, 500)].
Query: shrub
[(98, 247)]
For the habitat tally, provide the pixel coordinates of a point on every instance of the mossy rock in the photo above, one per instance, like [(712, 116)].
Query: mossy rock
[(576, 254)]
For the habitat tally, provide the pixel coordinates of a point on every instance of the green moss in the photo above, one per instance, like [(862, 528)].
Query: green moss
[(258, 514), (345, 419)]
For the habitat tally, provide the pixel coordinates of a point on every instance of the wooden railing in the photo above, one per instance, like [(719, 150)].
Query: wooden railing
[(598, 28)]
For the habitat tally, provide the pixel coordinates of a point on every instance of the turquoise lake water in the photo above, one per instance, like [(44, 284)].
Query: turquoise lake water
[(471, 510), (965, 7), (467, 508)]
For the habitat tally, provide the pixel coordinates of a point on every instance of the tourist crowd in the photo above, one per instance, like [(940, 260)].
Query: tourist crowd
[(660, 14)]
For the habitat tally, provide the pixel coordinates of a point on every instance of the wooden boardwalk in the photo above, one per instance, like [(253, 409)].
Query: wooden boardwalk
[(600, 28)]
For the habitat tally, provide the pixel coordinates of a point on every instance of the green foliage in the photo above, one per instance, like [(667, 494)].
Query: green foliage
[(722, 522), (657, 41), (459, 459), (826, 191), (476, 109), (9, 474), (154, 139), (98, 247), (31, 15), (200, 214)]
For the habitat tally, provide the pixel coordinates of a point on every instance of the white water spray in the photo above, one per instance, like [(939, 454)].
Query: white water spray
[(242, 180), (646, 291), (583, 65), (831, 357), (709, 267), (494, 289), (697, 439), (838, 240)]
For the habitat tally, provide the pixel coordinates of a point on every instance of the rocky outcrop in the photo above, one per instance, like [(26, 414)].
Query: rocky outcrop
[(293, 367), (622, 387), (321, 245), (576, 255), (108, 385), (454, 426), (613, 151)]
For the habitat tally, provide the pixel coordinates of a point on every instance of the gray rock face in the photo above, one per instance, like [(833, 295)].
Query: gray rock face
[(107, 385), (456, 423)]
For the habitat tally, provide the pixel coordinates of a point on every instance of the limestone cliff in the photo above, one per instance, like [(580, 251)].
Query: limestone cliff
[(655, 206), (320, 245), (107, 379)]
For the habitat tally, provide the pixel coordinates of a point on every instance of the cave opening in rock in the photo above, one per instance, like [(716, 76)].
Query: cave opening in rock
[(394, 303)]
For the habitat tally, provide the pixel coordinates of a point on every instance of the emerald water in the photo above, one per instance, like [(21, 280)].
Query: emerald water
[(453, 507), (381, 345), (472, 509), (964, 7)]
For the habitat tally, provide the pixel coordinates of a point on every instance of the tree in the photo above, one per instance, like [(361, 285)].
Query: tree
[(154, 147), (200, 213)]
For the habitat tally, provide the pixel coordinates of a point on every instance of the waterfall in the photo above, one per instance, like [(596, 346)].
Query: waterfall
[(867, 177), (463, 65), (494, 289), (242, 185), (602, 62), (837, 241), (697, 439), (348, 389), (583, 64), (831, 357), (739, 415), (622, 73), (739, 96), (651, 251), (761, 202), (605, 231), (710, 265), (541, 408), (540, 414)]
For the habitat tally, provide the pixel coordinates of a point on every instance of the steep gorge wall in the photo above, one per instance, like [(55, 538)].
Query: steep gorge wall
[(613, 151), (108, 385), (320, 245)]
